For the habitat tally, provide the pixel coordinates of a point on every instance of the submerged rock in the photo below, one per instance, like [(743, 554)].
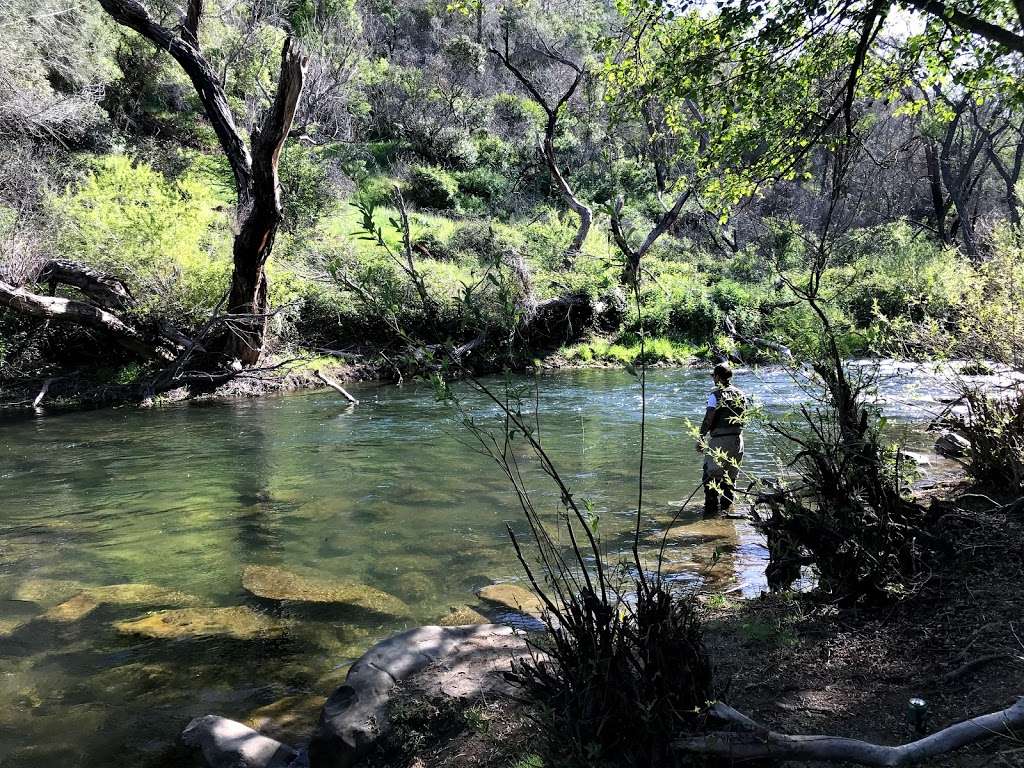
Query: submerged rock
[(48, 591), (88, 600), (513, 597), (278, 584), (227, 744), (287, 719), (462, 616), (237, 622)]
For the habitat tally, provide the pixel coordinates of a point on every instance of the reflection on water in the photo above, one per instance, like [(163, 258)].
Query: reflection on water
[(385, 494)]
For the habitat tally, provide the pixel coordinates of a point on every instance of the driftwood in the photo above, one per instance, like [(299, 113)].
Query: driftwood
[(335, 386), (752, 741), (42, 392)]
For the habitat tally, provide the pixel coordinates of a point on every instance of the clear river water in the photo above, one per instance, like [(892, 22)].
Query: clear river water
[(388, 493)]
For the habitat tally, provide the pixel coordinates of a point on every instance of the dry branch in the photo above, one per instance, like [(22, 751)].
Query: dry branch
[(104, 290), (752, 741), (335, 386)]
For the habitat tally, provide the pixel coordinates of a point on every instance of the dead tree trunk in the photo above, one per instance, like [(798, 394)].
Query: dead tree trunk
[(104, 290), (552, 110), (259, 209), (60, 310)]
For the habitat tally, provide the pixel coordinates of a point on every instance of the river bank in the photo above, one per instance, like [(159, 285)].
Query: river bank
[(277, 374)]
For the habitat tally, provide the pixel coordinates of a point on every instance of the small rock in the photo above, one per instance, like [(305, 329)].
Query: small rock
[(227, 744), (414, 585), (274, 583), (919, 459), (513, 597), (238, 622)]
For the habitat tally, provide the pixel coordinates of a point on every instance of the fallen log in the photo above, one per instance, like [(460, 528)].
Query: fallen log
[(60, 310), (335, 386), (105, 291), (752, 741)]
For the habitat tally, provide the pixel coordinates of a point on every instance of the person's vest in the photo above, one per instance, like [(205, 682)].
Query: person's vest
[(728, 418)]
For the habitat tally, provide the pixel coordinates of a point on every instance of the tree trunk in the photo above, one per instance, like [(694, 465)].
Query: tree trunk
[(256, 181), (935, 187)]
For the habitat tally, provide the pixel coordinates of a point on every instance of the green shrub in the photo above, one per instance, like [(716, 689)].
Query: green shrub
[(431, 187), (694, 317), (306, 191), (447, 146), (429, 245), (481, 240), (167, 239), (483, 183), (493, 152), (376, 191), (516, 115)]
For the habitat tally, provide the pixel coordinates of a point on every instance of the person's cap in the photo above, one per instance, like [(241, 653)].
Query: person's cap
[(722, 371)]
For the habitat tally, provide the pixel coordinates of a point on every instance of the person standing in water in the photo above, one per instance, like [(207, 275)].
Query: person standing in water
[(721, 441)]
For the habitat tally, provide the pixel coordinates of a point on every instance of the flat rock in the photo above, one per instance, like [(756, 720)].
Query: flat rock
[(952, 445), (88, 600), (513, 597), (462, 616), (48, 591), (227, 744), (274, 583), (237, 622)]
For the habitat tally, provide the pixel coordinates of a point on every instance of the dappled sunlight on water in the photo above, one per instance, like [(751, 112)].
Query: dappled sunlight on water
[(386, 494)]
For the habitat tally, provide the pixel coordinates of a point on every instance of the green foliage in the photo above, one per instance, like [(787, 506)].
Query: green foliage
[(484, 183), (994, 426), (516, 115), (306, 191), (431, 187), (161, 236), (483, 241), (627, 351)]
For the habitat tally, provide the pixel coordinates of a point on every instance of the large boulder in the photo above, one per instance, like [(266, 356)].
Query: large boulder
[(272, 583), (355, 715), (227, 744), (237, 622)]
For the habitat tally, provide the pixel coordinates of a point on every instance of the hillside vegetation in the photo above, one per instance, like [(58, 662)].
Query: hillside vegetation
[(501, 128)]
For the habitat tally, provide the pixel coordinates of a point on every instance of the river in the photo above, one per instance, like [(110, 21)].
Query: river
[(388, 493)]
